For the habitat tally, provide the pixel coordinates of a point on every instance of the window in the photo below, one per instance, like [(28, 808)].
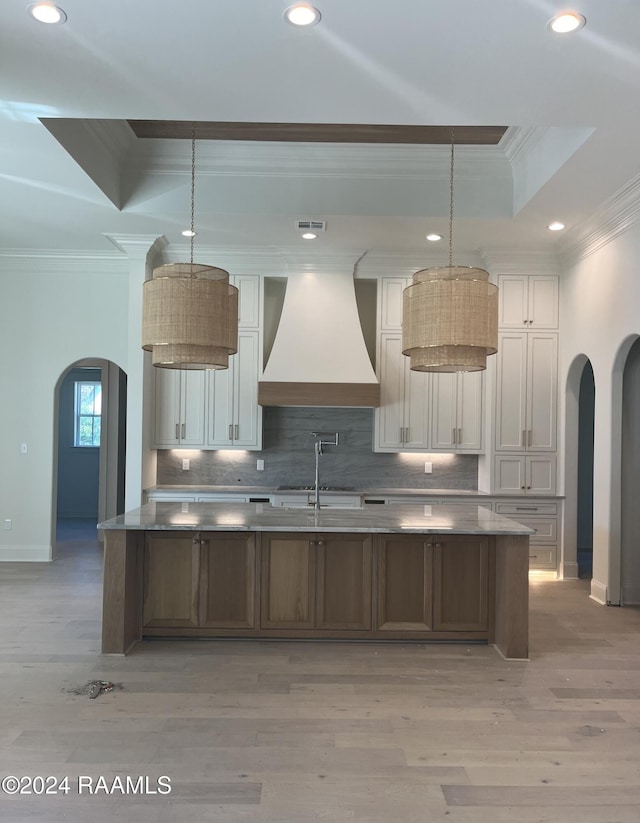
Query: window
[(88, 407)]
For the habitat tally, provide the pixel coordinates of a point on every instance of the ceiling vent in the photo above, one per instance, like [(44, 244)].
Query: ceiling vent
[(311, 225)]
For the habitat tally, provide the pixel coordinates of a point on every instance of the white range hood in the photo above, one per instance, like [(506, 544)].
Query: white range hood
[(319, 356)]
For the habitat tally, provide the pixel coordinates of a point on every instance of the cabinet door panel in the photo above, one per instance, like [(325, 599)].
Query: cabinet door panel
[(247, 413), (470, 410), (391, 302), (444, 421), (542, 370), (405, 579), (510, 474), (171, 571), (221, 407), (511, 392), (343, 591), (543, 302), (461, 578), (390, 415), (167, 407), (513, 300), (416, 407), (193, 411), (541, 474), (288, 576), (227, 580)]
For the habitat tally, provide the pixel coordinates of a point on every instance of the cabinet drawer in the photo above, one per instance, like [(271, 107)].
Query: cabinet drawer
[(525, 509), (546, 529), (542, 557)]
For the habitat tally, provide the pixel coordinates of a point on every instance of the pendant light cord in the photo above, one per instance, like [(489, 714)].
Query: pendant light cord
[(193, 183), (451, 205)]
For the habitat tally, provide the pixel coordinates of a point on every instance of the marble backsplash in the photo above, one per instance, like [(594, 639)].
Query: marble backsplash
[(289, 457)]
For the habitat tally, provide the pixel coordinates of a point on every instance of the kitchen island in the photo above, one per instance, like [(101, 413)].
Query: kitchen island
[(414, 572)]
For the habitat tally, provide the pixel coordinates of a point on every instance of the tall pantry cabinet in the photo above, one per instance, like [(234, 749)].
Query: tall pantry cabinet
[(525, 433)]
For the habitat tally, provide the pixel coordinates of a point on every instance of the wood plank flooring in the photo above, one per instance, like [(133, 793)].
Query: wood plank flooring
[(293, 732)]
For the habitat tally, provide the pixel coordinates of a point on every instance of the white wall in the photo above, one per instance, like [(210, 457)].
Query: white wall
[(52, 313), (600, 318)]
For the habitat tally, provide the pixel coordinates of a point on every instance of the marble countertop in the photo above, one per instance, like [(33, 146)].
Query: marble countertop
[(259, 517), (273, 489)]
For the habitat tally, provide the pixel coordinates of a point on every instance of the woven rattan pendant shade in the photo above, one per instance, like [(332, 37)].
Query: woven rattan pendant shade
[(450, 319), (190, 317)]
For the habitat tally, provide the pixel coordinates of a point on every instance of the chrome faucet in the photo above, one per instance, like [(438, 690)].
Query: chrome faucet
[(318, 448)]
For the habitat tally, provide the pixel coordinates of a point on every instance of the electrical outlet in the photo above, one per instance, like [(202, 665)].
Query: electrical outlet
[(428, 467), (186, 464), (260, 465), (7, 525), (23, 448)]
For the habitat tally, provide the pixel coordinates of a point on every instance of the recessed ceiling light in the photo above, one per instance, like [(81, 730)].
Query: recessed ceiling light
[(188, 233), (566, 22), (434, 237), (47, 13), (302, 14), (555, 226), (309, 235)]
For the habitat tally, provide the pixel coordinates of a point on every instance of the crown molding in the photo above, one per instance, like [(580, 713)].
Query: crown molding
[(508, 261), (517, 142), (139, 245), (62, 262), (616, 216)]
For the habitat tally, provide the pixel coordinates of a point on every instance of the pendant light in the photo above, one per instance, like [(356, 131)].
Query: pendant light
[(189, 310), (450, 314)]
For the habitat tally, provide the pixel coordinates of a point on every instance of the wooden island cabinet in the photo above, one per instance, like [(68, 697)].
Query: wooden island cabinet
[(401, 578)]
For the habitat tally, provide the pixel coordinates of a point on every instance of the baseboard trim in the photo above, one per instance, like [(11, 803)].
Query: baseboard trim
[(570, 571), (599, 592), (25, 554)]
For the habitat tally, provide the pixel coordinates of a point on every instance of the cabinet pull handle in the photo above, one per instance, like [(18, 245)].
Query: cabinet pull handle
[(184, 430), (522, 487), (526, 508), (524, 437), (530, 440), (177, 431), (459, 436), (453, 436), (528, 487), (230, 431), (237, 431)]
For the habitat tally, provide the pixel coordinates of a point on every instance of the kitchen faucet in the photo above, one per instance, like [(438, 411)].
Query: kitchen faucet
[(318, 450)]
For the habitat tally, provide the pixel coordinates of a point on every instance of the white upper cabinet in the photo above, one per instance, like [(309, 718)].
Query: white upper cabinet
[(528, 302), (527, 388), (180, 399), (390, 303), (456, 416), (235, 419), (249, 300), (402, 420)]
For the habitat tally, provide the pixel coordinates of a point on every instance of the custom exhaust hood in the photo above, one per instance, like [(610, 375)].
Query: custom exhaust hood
[(319, 356)]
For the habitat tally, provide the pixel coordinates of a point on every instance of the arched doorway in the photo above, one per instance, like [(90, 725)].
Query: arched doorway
[(89, 463), (586, 418), (630, 480)]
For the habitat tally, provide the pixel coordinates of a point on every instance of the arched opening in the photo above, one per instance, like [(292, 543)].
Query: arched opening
[(89, 449), (586, 419), (630, 480)]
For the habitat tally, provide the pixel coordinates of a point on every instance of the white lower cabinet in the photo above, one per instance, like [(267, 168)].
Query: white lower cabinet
[(525, 474), (543, 517)]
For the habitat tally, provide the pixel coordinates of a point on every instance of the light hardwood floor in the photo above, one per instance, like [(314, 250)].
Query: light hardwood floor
[(290, 732)]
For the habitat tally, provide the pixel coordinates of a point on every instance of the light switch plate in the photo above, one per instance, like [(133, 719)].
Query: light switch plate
[(260, 465), (186, 464), (428, 467)]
